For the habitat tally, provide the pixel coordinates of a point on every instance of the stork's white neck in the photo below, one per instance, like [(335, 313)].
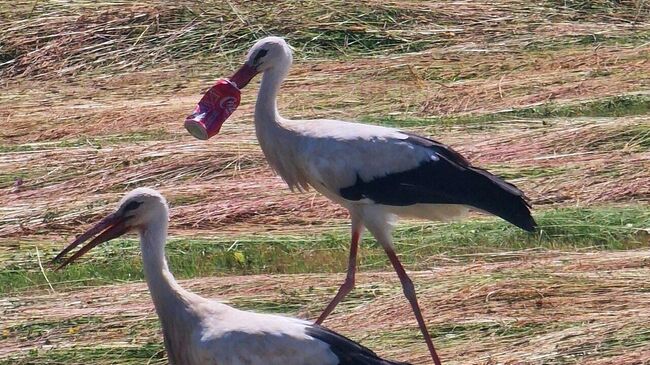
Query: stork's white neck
[(174, 305), (276, 139), (266, 107), (166, 294)]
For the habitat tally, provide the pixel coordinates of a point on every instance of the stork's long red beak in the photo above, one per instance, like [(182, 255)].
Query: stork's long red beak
[(218, 103), (110, 227), (243, 76)]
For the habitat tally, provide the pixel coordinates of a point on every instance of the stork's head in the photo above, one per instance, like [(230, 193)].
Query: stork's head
[(138, 210), (142, 207), (267, 53), (221, 100)]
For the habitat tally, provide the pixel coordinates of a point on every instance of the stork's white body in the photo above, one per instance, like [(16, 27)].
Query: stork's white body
[(377, 173), (200, 331), (329, 155)]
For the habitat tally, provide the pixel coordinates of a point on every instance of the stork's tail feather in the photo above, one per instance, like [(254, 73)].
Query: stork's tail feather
[(454, 180), (502, 199), (348, 351)]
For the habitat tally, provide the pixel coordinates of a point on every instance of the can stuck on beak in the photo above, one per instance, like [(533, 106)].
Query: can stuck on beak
[(218, 103)]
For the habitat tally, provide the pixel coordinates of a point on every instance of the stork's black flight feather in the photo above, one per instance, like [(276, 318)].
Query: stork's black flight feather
[(348, 351), (446, 178)]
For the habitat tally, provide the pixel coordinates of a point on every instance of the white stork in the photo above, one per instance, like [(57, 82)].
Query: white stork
[(377, 173), (199, 331)]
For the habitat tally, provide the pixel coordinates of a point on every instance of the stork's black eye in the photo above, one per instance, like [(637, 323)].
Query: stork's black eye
[(261, 53), (132, 205)]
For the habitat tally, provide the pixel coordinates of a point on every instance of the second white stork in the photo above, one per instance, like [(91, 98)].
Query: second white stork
[(377, 173), (199, 331)]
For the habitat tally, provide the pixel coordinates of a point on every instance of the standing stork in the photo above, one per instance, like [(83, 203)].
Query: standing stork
[(198, 331), (376, 173)]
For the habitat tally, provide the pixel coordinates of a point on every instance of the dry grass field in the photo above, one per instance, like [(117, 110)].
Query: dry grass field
[(553, 95)]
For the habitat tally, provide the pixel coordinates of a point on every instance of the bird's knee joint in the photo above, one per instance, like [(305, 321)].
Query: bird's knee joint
[(409, 288), (348, 284)]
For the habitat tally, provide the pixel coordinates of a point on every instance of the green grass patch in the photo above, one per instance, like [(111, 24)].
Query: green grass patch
[(119, 261), (634, 137), (8, 179), (37, 329), (626, 338), (621, 340), (150, 353), (617, 106)]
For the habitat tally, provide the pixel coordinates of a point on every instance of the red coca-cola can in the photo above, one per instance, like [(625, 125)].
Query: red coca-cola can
[(215, 107)]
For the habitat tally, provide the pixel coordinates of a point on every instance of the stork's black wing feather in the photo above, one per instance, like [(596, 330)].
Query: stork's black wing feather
[(348, 351), (446, 178)]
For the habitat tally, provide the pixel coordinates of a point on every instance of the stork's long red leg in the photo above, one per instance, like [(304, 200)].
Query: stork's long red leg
[(409, 292), (348, 284)]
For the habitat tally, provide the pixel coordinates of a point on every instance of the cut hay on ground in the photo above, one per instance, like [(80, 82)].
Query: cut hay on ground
[(549, 307)]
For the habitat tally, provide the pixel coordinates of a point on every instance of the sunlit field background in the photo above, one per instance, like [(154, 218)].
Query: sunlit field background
[(553, 96)]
